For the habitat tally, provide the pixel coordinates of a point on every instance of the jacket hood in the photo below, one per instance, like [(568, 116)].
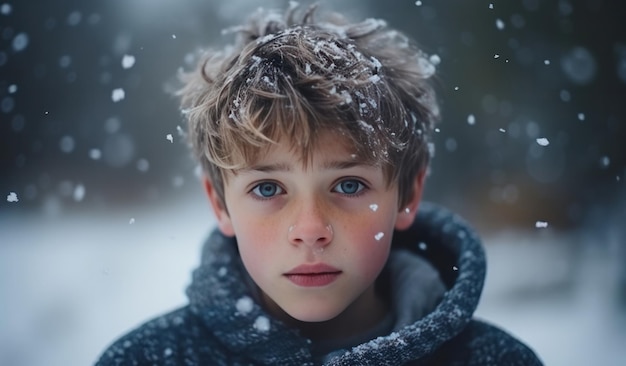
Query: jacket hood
[(220, 296)]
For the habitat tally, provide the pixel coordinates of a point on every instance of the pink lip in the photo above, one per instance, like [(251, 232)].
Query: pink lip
[(312, 269), (313, 275)]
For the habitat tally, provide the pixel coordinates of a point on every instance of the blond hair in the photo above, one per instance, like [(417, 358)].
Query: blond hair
[(288, 77)]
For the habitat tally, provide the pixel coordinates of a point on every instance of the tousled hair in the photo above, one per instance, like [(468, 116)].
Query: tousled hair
[(288, 77)]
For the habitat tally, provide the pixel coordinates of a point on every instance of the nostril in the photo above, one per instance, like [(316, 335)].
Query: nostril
[(314, 235)]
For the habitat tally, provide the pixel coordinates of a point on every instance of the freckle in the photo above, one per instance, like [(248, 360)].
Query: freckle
[(379, 236)]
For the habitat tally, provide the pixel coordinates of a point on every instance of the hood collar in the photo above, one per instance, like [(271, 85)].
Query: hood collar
[(219, 295)]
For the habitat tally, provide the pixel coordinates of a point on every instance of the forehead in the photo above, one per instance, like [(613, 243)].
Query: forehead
[(330, 150)]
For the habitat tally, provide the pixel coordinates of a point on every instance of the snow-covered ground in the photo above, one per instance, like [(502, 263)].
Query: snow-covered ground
[(71, 283)]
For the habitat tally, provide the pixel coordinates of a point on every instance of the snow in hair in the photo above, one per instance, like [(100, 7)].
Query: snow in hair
[(289, 76)]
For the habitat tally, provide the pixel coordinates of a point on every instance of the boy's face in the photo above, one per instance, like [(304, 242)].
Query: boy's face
[(313, 238)]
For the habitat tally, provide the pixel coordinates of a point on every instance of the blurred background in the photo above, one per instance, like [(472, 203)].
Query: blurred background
[(102, 215)]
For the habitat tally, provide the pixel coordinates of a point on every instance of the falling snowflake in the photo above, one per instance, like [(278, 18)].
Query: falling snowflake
[(581, 116), (131, 221), (128, 61), (67, 144), (374, 207), (471, 119), (117, 95), (418, 3), (543, 141), (541, 224), (434, 59), (95, 154), (170, 138), (605, 161), (5, 9), (143, 165), (12, 197), (20, 42), (79, 193), (500, 24), (379, 236), (74, 18)]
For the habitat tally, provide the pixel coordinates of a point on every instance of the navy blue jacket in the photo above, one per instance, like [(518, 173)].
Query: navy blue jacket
[(213, 330)]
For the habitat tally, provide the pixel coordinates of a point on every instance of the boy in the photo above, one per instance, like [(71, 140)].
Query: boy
[(313, 137)]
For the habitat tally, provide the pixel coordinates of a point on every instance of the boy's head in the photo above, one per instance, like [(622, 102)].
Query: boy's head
[(313, 138), (289, 78)]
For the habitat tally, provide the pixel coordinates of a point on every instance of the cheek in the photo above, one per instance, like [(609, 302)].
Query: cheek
[(252, 228), (370, 246), (254, 240), (372, 254)]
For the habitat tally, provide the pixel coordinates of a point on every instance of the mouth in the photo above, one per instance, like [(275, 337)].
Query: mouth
[(315, 275)]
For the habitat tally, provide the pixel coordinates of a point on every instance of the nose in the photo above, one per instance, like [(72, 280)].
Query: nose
[(311, 226)]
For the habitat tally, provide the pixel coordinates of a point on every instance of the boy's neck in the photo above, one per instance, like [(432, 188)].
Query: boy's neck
[(361, 316)]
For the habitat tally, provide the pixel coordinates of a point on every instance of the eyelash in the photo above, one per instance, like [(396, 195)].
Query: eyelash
[(362, 188), (259, 196)]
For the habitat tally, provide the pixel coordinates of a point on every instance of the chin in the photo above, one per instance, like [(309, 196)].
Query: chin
[(313, 314)]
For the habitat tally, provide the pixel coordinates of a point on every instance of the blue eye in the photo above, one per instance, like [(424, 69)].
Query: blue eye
[(267, 190), (349, 187)]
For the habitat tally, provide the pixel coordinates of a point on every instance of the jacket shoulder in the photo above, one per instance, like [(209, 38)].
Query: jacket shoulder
[(175, 338), (483, 344), (487, 344)]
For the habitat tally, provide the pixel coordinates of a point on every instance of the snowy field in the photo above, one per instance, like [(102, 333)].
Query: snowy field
[(72, 283)]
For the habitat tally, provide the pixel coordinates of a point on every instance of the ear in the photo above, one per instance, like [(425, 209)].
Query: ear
[(407, 212), (221, 214)]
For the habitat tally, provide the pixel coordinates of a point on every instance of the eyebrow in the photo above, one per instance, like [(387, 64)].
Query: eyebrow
[(345, 164), (267, 168), (328, 165)]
